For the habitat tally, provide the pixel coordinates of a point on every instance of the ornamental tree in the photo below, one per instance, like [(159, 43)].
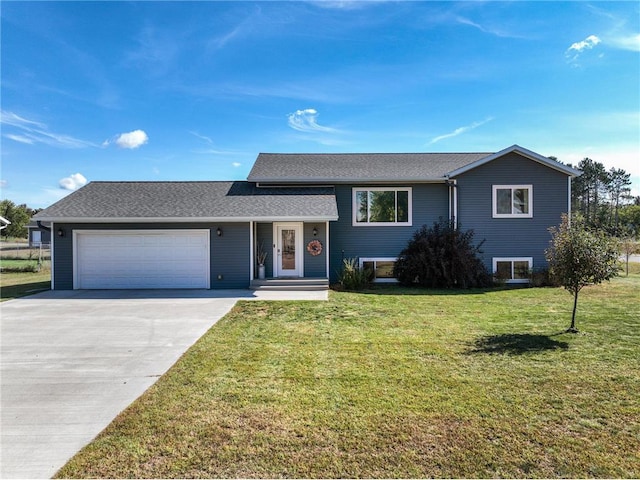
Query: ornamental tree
[(579, 257)]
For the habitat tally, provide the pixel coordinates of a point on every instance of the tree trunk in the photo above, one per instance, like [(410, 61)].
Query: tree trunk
[(572, 328)]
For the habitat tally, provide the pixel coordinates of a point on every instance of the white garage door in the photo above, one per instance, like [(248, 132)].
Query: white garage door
[(141, 259)]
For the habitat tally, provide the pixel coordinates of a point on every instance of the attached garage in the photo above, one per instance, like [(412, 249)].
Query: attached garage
[(131, 259)]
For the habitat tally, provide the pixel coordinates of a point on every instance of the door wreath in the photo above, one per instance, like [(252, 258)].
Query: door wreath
[(314, 247)]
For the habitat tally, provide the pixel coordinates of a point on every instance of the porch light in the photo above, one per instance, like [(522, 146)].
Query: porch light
[(219, 232), (60, 232), (315, 231)]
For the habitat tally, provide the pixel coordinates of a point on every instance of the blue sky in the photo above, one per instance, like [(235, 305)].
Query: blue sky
[(194, 91)]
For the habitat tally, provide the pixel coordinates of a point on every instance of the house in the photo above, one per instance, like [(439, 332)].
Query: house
[(308, 212), (38, 234)]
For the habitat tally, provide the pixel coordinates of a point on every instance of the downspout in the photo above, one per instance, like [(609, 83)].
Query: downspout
[(252, 251), (569, 201), (326, 241), (453, 202), (43, 227), (53, 261)]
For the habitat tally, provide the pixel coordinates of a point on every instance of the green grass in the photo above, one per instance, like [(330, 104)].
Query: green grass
[(395, 383), (19, 284)]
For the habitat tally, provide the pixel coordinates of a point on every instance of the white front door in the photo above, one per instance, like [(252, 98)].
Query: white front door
[(288, 250)]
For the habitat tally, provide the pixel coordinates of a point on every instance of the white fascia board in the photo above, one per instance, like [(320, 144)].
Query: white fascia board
[(187, 220), (572, 172)]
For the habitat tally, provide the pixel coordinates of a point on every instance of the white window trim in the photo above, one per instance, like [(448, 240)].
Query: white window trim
[(354, 208), (494, 201), (512, 260), (379, 259)]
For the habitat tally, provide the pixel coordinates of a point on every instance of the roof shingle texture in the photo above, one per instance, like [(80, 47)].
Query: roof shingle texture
[(192, 200), (348, 167)]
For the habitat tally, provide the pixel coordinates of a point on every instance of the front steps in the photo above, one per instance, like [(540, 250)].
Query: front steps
[(290, 284)]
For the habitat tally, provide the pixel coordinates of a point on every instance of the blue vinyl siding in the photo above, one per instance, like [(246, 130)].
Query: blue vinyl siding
[(430, 202), (62, 258), (229, 254), (315, 266), (512, 237), (264, 235)]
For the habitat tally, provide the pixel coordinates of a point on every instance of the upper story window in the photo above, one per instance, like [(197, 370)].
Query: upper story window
[(382, 206), (512, 201)]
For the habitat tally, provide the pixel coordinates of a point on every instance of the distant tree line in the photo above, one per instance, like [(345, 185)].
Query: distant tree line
[(603, 198), (18, 215)]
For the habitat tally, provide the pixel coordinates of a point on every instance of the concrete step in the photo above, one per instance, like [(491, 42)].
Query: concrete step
[(290, 284)]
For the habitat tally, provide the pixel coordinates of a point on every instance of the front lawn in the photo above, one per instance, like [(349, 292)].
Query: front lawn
[(19, 284), (395, 383)]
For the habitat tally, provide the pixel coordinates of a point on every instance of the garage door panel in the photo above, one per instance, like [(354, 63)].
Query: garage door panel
[(142, 259)]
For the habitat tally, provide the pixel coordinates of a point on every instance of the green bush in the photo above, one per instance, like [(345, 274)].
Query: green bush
[(442, 256), (23, 267), (541, 277), (353, 277)]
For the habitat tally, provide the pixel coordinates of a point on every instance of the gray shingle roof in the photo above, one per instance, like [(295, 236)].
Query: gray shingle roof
[(358, 167), (197, 201)]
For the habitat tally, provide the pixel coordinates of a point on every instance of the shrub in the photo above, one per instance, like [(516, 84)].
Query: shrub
[(353, 277), (27, 268), (442, 256), (541, 277)]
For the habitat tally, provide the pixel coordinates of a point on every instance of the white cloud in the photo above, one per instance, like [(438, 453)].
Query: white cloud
[(3, 183), (20, 138), (202, 137), (576, 49), (10, 118), (588, 43), (73, 182), (31, 132), (305, 121), (459, 131), (129, 140), (346, 4), (491, 30), (626, 42), (236, 164)]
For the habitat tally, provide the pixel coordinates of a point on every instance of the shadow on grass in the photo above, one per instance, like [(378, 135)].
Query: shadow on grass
[(9, 292), (516, 344), (411, 291)]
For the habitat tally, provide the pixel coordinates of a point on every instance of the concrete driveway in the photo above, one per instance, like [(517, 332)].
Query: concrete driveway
[(71, 361)]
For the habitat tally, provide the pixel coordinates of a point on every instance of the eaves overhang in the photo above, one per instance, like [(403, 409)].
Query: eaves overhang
[(307, 218)]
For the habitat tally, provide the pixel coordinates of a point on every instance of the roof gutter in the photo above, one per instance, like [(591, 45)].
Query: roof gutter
[(115, 220), (330, 182)]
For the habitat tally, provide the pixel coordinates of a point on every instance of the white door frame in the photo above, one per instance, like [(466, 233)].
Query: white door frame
[(277, 248)]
